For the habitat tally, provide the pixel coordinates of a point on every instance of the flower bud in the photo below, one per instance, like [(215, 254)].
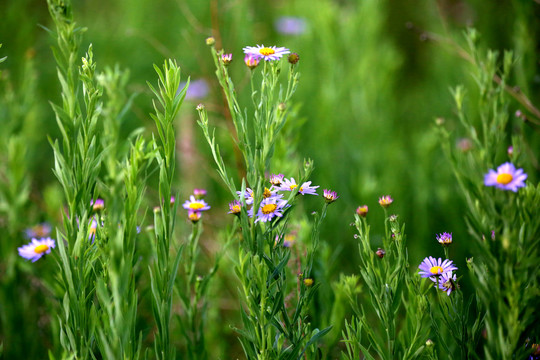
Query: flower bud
[(210, 41)]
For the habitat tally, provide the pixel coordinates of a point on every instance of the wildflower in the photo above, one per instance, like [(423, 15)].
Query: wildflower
[(173, 199), (506, 177), (97, 205), (293, 58), (290, 185), (510, 151), (156, 209), (197, 89), (308, 282), (235, 207), (432, 267), (38, 231), (362, 210), (199, 107), (271, 193), (194, 216), (199, 193), (289, 239), (270, 208), (36, 249), (226, 59), (385, 201), (447, 282), (92, 229), (290, 25), (445, 239), (380, 253), (251, 61), (248, 195), (195, 205), (330, 196), (267, 53), (276, 180)]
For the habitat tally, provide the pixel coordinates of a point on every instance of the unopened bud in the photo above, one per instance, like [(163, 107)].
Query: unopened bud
[(210, 41), (380, 253), (293, 58)]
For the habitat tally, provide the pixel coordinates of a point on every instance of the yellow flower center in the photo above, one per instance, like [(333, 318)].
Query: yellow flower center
[(196, 206), (267, 51), (436, 269), (268, 208), (293, 187), (504, 178), (267, 193), (235, 209), (40, 249)]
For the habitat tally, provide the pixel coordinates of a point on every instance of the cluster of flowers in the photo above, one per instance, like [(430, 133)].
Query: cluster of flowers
[(254, 54), (439, 271), (273, 204), (196, 205)]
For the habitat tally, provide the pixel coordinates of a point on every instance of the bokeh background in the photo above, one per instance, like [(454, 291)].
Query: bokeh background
[(375, 77)]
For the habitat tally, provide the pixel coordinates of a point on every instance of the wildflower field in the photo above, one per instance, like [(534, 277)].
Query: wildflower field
[(330, 179)]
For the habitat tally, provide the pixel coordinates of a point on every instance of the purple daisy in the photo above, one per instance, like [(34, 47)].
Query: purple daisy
[(36, 249), (270, 208), (447, 282), (38, 231), (506, 177), (97, 205), (276, 180), (195, 205), (432, 267), (305, 189), (251, 61), (290, 25), (235, 207), (385, 201), (248, 195), (330, 196), (268, 53), (445, 239)]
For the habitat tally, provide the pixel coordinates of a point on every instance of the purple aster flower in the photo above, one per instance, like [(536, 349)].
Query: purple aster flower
[(445, 239), (506, 177), (226, 59), (290, 25), (330, 196), (199, 193), (305, 189), (97, 205), (432, 268), (270, 208), (385, 201), (197, 89), (194, 216), (248, 195), (195, 205), (38, 231), (447, 282), (276, 180), (251, 61), (36, 249), (235, 207), (267, 53), (362, 210)]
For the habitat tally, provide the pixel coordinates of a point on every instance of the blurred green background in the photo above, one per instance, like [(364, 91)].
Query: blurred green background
[(375, 75)]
